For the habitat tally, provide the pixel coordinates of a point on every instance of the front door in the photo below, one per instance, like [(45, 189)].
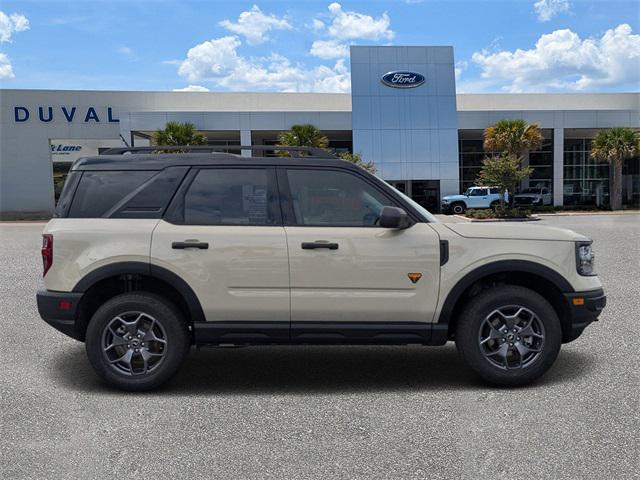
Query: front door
[(347, 273), (224, 237)]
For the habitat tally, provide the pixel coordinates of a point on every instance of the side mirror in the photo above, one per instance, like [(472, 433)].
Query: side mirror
[(394, 217)]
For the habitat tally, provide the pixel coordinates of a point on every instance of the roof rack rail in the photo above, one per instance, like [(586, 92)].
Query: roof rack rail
[(310, 151)]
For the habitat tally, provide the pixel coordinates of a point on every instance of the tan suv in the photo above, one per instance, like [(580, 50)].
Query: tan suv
[(152, 253)]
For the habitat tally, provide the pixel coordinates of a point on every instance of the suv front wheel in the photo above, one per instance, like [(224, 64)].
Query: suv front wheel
[(137, 341), (458, 208), (509, 335)]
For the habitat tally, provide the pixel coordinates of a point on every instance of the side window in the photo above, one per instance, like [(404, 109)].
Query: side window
[(99, 191), (494, 191), (334, 198), (544, 191), (228, 197), (477, 192)]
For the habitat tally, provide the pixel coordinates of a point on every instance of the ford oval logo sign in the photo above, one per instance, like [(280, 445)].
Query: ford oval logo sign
[(403, 79)]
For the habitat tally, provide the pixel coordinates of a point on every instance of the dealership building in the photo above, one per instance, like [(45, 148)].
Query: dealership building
[(424, 138)]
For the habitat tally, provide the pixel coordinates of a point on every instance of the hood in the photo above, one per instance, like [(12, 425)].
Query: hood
[(514, 231), (454, 197), (527, 195)]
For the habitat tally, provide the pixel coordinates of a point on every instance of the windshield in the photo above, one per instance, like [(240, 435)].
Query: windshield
[(423, 211), (531, 190)]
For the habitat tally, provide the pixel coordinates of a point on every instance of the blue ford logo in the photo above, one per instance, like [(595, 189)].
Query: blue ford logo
[(403, 79)]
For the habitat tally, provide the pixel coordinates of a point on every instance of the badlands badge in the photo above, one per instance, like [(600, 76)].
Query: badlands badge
[(414, 277)]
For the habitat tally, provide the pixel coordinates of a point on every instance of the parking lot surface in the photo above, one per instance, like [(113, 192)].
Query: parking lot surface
[(324, 412)]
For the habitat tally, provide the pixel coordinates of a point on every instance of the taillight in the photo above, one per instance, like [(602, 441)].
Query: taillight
[(47, 252)]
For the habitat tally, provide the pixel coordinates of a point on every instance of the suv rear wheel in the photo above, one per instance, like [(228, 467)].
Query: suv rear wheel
[(137, 341), (509, 335)]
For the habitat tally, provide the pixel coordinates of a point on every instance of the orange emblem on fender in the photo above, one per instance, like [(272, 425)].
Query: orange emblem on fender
[(414, 277)]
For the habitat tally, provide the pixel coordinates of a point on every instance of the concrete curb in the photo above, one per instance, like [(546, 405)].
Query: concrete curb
[(572, 214)]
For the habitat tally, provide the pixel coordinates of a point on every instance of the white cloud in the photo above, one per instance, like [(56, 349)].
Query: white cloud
[(10, 24), (317, 25), (562, 60), (254, 25), (192, 88), (218, 61), (347, 25), (127, 51), (460, 67), (547, 9), (329, 49), (6, 70)]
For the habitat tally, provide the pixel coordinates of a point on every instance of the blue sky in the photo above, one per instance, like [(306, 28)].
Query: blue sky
[(500, 46)]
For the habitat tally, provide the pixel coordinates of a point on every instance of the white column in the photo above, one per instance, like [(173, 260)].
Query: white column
[(525, 163), (558, 166), (245, 139)]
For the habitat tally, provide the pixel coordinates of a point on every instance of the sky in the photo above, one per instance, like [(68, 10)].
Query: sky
[(303, 46)]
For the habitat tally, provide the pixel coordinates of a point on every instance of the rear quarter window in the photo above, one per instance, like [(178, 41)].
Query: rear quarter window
[(98, 192)]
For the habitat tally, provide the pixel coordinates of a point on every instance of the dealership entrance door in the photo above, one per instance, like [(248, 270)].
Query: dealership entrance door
[(424, 192)]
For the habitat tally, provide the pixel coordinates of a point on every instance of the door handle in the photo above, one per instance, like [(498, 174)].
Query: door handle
[(190, 244), (319, 244)]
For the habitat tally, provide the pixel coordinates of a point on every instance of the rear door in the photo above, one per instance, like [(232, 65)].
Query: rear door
[(347, 273), (223, 235)]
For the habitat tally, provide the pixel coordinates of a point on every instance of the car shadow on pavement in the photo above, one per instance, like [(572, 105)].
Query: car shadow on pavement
[(317, 369)]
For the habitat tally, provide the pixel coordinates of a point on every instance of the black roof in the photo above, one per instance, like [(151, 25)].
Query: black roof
[(160, 157)]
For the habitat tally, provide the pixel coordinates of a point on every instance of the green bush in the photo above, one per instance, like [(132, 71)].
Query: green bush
[(499, 212)]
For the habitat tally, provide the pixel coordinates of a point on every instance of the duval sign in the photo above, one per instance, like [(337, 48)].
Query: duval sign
[(402, 79), (67, 113)]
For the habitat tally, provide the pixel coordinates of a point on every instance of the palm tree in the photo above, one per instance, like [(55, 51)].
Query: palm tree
[(513, 137), (176, 133), (357, 159), (303, 136), (615, 145)]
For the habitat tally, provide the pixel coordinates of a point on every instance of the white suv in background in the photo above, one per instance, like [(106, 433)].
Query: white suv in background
[(473, 197), (150, 254), (536, 196)]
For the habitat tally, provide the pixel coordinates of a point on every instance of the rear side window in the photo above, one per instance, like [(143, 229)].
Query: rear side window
[(99, 192), (64, 202), (494, 191), (219, 196)]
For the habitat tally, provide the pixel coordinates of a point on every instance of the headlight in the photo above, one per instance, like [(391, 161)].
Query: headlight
[(584, 258)]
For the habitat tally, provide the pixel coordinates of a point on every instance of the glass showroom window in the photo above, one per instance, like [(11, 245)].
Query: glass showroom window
[(472, 154), (542, 163), (586, 181)]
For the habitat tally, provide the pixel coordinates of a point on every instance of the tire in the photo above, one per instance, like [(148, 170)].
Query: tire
[(509, 358), (137, 322), (458, 208)]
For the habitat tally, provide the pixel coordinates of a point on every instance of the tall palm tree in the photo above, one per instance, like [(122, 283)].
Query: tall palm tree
[(615, 145), (514, 138), (305, 135), (176, 133)]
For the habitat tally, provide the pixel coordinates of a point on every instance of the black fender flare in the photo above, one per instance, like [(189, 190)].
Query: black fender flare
[(501, 266), (141, 268)]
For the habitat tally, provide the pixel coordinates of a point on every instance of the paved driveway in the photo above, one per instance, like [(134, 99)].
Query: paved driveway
[(324, 412)]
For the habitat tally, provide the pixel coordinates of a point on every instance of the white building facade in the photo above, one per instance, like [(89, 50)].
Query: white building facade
[(403, 113)]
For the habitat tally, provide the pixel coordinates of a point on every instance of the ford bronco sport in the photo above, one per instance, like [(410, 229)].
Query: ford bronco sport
[(152, 253)]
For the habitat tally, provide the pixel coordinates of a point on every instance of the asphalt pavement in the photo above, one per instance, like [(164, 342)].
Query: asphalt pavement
[(324, 412)]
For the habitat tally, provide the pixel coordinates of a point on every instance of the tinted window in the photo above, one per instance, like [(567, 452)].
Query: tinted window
[(151, 199), (66, 195), (99, 192), (494, 191), (477, 192), (228, 197), (328, 197)]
